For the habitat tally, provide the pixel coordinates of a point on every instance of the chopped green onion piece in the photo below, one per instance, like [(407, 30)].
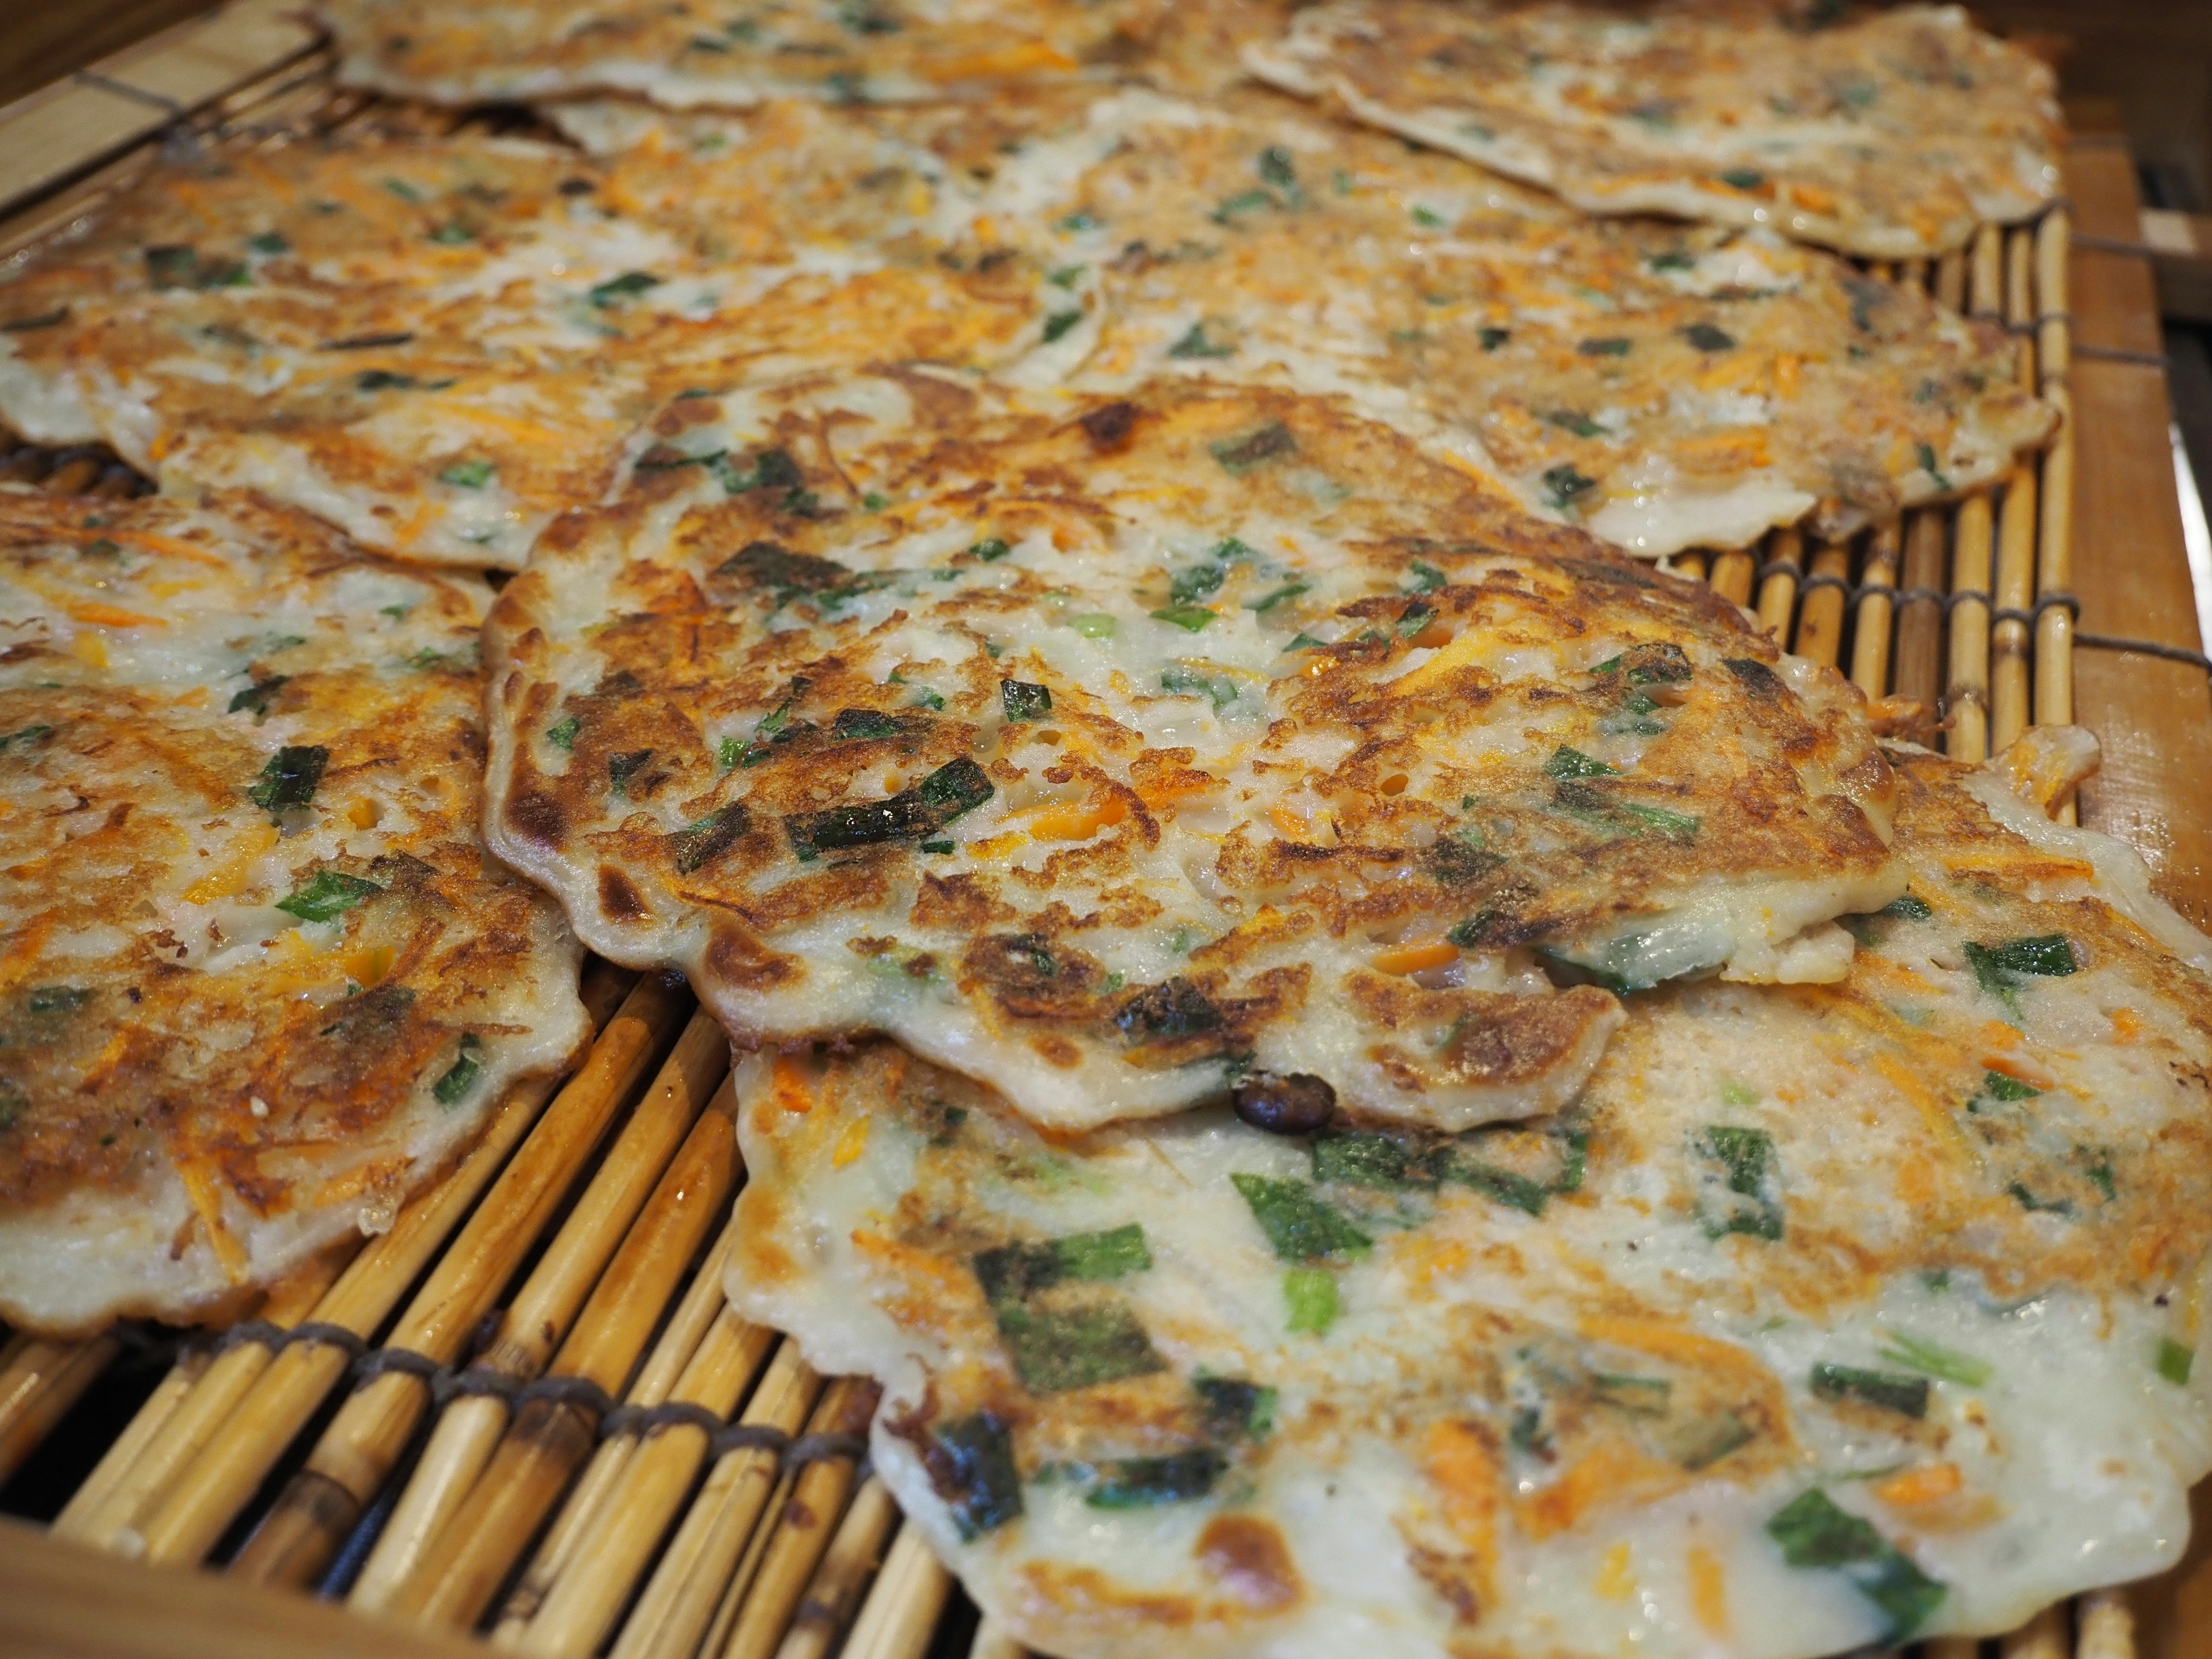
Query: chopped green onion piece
[(1567, 762), (1024, 700), (1310, 1295), (330, 893), (1300, 1225), (2175, 1362), (1905, 1394), (290, 778), (467, 475), (1937, 1361), (461, 1077), (1191, 618)]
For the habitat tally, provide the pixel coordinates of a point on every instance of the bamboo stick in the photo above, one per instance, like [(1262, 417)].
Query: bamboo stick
[(1952, 1647), (2105, 1626), (1731, 575), (43, 1381), (679, 1600), (356, 1453), (73, 476), (116, 1465), (846, 1568), (1778, 593), (802, 1529), (900, 1616), (2054, 574), (2052, 331), (1870, 634), (199, 1419), (2017, 517), (993, 1641), (2043, 1637), (1967, 698), (1820, 619), (1913, 273), (741, 1581), (1950, 286), (584, 1604), (1689, 565), (2020, 301), (1919, 668), (550, 1439), (579, 1517), (549, 1303), (1987, 283)]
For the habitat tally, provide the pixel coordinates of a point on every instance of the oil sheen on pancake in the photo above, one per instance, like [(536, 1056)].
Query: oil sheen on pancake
[(1891, 134), (260, 980), (1832, 1315), (1105, 749), (438, 343), (1664, 386)]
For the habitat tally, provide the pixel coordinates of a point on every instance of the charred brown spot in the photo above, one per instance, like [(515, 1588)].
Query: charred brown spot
[(619, 900), (1110, 425), (961, 903), (1172, 1009), (736, 957), (538, 816), (769, 565), (1756, 678), (1247, 1557)]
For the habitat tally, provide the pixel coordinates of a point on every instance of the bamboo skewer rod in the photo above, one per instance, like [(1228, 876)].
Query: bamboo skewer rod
[(1731, 575), (1919, 669), (2015, 590), (41, 1383), (2107, 1626), (845, 1570), (1913, 273), (1870, 634), (679, 1601), (1777, 594), (357, 1452), (1967, 698), (550, 1439), (585, 1603), (580, 1518), (2052, 346), (1950, 288), (2043, 1637), (547, 1305), (1987, 281), (2054, 574), (1820, 623), (202, 1417), (741, 1581), (802, 1529), (116, 1466), (993, 1642), (900, 1616)]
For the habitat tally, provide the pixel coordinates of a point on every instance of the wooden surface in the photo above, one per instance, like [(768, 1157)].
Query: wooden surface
[(2130, 565), (41, 41), (62, 1601)]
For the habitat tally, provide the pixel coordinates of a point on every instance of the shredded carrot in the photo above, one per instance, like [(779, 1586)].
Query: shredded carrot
[(227, 877), (910, 1263), (1708, 1590), (1614, 1582), (1413, 959), (368, 965), (1079, 822), (108, 616), (2126, 1027), (792, 1088), (851, 1141), (2020, 1069), (1458, 1460), (1291, 826), (1785, 376), (207, 1200), (1925, 1484), (364, 814), (1000, 64), (175, 548)]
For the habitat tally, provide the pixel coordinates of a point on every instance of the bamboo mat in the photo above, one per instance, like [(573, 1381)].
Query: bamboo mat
[(526, 1413)]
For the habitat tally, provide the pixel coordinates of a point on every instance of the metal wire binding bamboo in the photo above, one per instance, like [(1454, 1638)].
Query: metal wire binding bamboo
[(762, 1559)]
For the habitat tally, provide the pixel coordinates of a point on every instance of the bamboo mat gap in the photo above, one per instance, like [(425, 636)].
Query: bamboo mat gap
[(526, 1413)]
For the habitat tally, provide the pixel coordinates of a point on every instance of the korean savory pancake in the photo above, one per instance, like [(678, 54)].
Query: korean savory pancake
[(1829, 1316), (1104, 749), (260, 980), (1889, 134), (1664, 386), (438, 343), (684, 52)]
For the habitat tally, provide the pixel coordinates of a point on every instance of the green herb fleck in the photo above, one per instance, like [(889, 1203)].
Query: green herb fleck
[(1567, 762), (2175, 1362), (617, 290), (971, 1466), (1059, 322), (1310, 1296), (330, 893), (1750, 1202), (1610, 346), (1195, 344), (1300, 1225), (1141, 1482), (290, 778), (1814, 1532), (1907, 1395), (468, 474), (461, 1077), (1933, 1360), (561, 734), (1024, 700)]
